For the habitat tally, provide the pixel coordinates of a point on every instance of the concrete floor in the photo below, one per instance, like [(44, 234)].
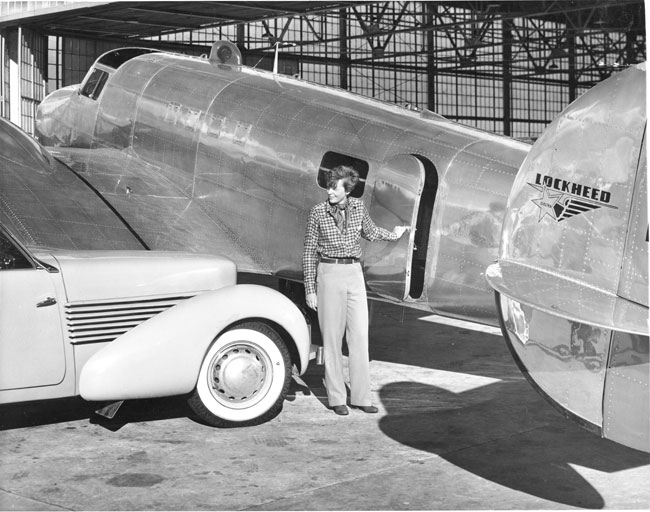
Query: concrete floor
[(459, 428)]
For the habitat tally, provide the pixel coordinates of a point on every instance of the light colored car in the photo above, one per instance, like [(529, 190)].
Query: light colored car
[(86, 310)]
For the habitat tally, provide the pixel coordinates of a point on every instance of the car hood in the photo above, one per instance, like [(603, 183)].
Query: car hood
[(106, 275)]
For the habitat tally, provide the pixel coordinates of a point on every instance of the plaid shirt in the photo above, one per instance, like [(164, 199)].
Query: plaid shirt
[(324, 238)]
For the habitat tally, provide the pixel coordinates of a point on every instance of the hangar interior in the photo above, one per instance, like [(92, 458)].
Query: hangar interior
[(508, 67)]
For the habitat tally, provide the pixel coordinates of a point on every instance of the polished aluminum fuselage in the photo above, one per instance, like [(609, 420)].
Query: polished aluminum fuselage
[(210, 157), (224, 159), (573, 265)]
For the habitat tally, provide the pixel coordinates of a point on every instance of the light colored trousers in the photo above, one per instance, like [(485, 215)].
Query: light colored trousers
[(343, 309)]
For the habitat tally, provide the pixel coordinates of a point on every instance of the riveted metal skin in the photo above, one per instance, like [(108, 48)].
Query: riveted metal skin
[(572, 273), (224, 159), (206, 157), (43, 204)]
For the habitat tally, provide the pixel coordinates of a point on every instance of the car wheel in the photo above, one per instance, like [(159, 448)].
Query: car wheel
[(244, 377)]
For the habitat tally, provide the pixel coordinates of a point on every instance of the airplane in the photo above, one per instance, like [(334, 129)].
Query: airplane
[(205, 154), (571, 278)]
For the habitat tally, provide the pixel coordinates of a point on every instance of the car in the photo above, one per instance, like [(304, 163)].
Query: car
[(86, 309)]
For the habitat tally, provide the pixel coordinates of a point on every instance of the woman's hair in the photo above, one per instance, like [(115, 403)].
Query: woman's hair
[(348, 174)]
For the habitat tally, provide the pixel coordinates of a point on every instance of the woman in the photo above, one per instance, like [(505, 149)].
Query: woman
[(335, 287)]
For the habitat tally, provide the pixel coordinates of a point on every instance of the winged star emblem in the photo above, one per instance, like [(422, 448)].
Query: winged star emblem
[(559, 205)]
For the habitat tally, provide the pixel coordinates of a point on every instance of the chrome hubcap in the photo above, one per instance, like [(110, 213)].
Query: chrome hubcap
[(239, 373)]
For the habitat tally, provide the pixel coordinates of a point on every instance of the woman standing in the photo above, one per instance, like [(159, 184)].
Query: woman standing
[(336, 289)]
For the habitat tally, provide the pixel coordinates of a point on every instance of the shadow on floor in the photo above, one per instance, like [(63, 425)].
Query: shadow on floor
[(45, 412), (48, 412), (521, 444)]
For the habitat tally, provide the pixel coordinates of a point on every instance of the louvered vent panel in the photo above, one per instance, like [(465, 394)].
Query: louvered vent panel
[(104, 321)]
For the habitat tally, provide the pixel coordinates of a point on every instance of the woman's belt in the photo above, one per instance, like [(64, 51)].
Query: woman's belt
[(340, 261)]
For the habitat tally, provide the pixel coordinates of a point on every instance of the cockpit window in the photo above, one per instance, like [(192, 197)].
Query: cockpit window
[(95, 83), (115, 58), (105, 66)]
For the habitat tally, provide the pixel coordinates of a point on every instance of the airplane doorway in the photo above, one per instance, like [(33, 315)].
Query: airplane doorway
[(423, 226), (396, 269)]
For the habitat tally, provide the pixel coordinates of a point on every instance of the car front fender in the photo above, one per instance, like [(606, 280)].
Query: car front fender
[(162, 356)]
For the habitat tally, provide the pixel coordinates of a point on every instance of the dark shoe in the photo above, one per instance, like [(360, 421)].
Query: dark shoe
[(341, 410), (370, 409)]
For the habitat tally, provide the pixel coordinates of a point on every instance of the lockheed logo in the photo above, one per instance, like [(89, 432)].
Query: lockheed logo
[(562, 199)]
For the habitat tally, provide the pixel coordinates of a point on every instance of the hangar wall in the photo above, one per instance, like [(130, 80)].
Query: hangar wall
[(508, 75), (22, 76)]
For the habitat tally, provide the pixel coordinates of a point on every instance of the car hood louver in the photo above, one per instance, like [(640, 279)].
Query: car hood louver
[(95, 322)]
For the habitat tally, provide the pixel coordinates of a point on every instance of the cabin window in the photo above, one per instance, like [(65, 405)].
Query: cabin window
[(332, 159), (95, 83)]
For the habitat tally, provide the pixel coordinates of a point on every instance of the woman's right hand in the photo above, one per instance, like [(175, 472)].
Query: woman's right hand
[(312, 301), (400, 230)]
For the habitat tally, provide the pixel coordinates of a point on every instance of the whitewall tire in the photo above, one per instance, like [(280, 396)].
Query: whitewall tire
[(244, 377)]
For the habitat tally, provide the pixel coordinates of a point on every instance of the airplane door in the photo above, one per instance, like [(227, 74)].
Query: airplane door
[(395, 200)]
